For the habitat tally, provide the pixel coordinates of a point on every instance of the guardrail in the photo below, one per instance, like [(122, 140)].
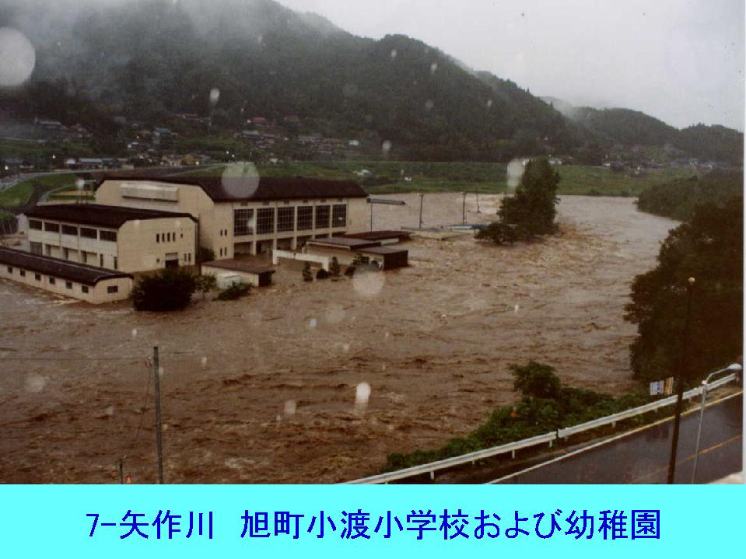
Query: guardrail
[(546, 438), (632, 412)]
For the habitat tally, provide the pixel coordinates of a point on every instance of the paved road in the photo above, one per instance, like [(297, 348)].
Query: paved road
[(642, 457)]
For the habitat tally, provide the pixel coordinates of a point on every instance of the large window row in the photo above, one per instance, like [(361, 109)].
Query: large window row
[(86, 232), (300, 218)]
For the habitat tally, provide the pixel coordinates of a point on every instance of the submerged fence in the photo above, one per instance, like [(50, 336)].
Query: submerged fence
[(548, 438)]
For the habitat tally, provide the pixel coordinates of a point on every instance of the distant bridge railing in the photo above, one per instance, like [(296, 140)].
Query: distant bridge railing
[(547, 438)]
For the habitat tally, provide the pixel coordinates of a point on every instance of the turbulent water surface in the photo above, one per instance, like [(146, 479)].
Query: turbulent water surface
[(268, 389)]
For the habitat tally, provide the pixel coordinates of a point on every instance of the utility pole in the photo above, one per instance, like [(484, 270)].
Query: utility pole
[(463, 209), (422, 195), (158, 425), (477, 193), (680, 377)]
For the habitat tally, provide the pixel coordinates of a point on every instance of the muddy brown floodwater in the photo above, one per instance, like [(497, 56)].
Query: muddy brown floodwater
[(263, 389)]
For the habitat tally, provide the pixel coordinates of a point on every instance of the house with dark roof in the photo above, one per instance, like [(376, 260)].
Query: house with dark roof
[(71, 279), (112, 237), (243, 214)]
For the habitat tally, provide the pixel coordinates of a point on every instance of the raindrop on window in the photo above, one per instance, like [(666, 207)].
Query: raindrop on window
[(17, 57)]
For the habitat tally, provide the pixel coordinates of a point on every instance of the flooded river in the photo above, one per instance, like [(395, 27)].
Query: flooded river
[(264, 389)]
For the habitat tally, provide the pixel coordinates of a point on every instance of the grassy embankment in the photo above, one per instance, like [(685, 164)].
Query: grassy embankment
[(389, 176), (20, 193)]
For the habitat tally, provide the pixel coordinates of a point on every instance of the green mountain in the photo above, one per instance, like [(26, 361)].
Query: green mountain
[(629, 128), (148, 60)]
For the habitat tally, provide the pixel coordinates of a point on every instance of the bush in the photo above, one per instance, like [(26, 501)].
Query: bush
[(334, 268), (307, 273), (545, 406), (206, 283), (235, 291), (167, 290), (536, 380), (322, 274), (350, 271), (498, 233)]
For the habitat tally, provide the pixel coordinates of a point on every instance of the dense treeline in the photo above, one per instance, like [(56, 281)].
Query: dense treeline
[(679, 198), (600, 130), (712, 142)]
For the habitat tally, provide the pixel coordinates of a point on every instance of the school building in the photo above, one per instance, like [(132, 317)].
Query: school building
[(247, 215)]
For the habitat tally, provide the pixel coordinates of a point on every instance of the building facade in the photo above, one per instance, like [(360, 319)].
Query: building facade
[(70, 279), (244, 215), (123, 239)]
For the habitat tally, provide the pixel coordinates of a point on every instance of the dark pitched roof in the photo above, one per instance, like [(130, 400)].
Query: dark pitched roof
[(57, 268), (230, 189), (97, 214)]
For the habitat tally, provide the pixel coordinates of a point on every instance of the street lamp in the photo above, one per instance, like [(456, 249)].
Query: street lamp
[(733, 368), (681, 375)]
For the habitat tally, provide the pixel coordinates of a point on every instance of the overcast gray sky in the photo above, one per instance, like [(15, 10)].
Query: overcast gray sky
[(679, 60)]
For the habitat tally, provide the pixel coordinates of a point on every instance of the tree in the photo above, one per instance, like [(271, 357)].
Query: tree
[(206, 283), (532, 209), (709, 248), (536, 380), (167, 290)]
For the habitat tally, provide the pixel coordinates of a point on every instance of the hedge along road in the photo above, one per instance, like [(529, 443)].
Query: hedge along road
[(641, 456)]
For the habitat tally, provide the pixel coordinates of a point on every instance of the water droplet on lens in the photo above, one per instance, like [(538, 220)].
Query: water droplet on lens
[(17, 57)]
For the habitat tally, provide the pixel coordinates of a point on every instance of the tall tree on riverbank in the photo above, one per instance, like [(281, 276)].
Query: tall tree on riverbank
[(708, 248)]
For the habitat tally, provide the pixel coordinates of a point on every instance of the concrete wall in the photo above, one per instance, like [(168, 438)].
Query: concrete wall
[(174, 198), (139, 251), (246, 277), (344, 256), (97, 294), (358, 216), (323, 261)]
